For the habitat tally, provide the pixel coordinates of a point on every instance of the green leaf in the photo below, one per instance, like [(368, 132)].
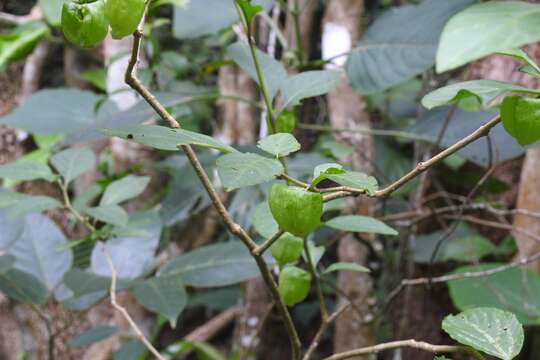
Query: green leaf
[(131, 350), (18, 204), (249, 10), (280, 144), (214, 265), (515, 290), (273, 71), (84, 23), (530, 66), (6, 263), (486, 28), (287, 249), (521, 118), (23, 287), (294, 285), (364, 224), (97, 77), (124, 16), (110, 214), (286, 122), (164, 138), (38, 251), (72, 163), (124, 189), (52, 10), (61, 111), (26, 171), (493, 331), (164, 295), (307, 84), (263, 221), (483, 90), (356, 180), (20, 42), (400, 44), (91, 336), (240, 170), (345, 266), (321, 172), (470, 248)]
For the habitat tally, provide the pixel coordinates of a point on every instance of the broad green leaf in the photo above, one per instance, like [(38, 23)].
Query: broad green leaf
[(240, 170), (321, 172), (10, 228), (364, 224), (345, 266), (356, 180), (294, 285), (263, 221), (91, 336), (20, 42), (530, 67), (61, 111), (199, 18), (97, 77), (26, 171), (516, 290), (521, 118), (492, 331), (214, 265), (124, 189), (23, 287), (52, 10), (18, 204), (131, 350), (6, 263), (72, 163), (483, 90), (287, 249), (469, 248), (280, 144), (124, 16), (400, 44), (164, 295), (82, 282), (110, 214), (39, 251), (164, 138), (84, 22), (486, 28), (273, 71), (307, 84)]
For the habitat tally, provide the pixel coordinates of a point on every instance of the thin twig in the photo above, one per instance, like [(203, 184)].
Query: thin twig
[(322, 329), (123, 310), (259, 250), (420, 345), (317, 280)]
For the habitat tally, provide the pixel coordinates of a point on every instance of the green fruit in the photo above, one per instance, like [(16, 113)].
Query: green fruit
[(294, 284), (286, 122), (84, 22), (124, 16), (287, 249), (296, 210)]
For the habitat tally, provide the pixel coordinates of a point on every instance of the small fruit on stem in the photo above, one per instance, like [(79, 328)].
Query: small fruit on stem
[(287, 249), (294, 284)]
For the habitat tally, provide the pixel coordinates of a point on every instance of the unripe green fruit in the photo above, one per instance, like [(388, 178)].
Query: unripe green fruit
[(124, 16), (296, 210), (286, 122), (84, 22), (287, 249), (294, 284)]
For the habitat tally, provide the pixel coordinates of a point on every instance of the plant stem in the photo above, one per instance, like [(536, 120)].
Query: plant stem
[(295, 12), (317, 280), (72, 210)]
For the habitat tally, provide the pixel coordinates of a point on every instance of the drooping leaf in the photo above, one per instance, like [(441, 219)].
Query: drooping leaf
[(530, 66), (516, 290), (483, 90), (307, 84), (238, 170), (84, 22), (490, 330), (280, 145), (263, 221), (357, 223), (20, 42), (26, 171), (164, 295), (72, 163), (91, 336), (215, 265), (486, 28), (61, 111), (23, 287), (110, 214), (345, 266), (356, 180), (400, 44), (287, 249), (124, 16), (521, 118), (164, 138), (39, 251), (124, 189), (273, 71), (294, 285)]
